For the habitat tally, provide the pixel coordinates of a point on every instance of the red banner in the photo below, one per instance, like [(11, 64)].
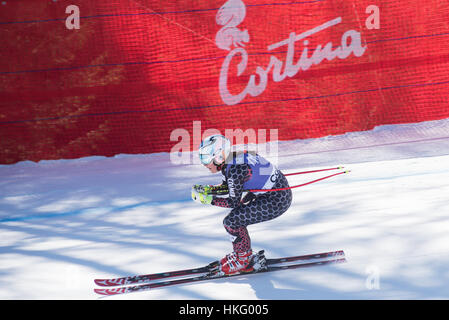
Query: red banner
[(82, 78)]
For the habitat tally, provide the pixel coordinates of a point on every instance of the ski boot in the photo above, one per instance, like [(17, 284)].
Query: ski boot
[(242, 262)]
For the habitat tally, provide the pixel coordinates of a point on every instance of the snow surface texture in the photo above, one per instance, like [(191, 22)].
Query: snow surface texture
[(64, 223)]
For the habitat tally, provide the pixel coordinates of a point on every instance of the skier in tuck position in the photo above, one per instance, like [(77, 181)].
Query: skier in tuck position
[(241, 171)]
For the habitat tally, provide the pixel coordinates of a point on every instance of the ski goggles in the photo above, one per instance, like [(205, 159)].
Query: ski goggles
[(205, 158)]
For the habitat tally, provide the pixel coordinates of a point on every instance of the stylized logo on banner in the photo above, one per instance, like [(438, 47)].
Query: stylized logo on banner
[(233, 12), (230, 15)]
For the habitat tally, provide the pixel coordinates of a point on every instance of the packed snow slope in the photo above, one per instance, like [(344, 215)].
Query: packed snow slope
[(64, 223)]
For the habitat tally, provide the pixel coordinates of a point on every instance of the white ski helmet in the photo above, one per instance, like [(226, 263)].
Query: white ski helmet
[(214, 148)]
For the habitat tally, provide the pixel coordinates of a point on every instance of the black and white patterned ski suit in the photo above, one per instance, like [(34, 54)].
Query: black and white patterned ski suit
[(253, 208)]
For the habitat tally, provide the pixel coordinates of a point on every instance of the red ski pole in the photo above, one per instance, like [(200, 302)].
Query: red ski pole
[(312, 171), (301, 185)]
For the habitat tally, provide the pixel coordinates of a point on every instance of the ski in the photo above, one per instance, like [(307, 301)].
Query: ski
[(154, 276), (322, 255), (179, 273), (269, 268)]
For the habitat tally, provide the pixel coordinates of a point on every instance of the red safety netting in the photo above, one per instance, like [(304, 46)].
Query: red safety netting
[(138, 69)]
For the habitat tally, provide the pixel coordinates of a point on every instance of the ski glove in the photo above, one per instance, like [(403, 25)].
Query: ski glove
[(201, 196), (221, 189)]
